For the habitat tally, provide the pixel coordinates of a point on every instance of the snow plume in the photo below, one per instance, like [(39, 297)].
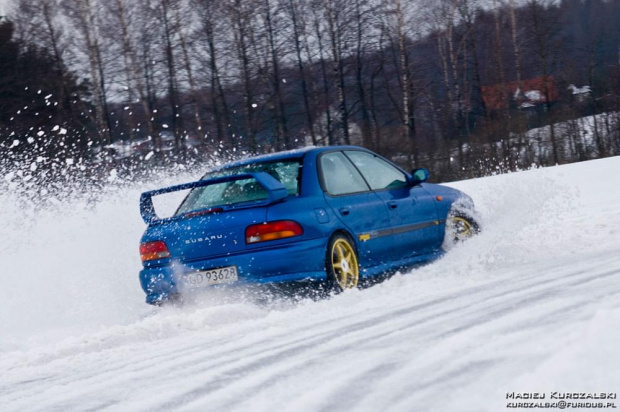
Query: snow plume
[(70, 232), (70, 250), (522, 215), (48, 170)]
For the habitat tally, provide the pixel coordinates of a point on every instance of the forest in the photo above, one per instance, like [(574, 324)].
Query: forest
[(464, 87)]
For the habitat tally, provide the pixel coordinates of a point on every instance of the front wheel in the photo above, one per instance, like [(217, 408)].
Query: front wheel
[(342, 267), (460, 227)]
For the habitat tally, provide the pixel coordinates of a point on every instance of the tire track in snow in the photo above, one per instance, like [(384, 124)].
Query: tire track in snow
[(295, 347), (479, 318), (361, 328)]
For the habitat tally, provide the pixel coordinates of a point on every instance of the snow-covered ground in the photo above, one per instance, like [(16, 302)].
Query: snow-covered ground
[(532, 304), (585, 136)]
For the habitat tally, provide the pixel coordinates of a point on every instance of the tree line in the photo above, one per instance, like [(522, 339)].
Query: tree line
[(462, 86)]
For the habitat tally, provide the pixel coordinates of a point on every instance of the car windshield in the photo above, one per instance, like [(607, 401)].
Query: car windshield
[(244, 190)]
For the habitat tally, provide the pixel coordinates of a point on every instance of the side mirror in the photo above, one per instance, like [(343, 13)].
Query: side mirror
[(419, 176)]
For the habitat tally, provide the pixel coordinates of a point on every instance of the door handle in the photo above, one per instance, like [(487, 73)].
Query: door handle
[(344, 211), (392, 205)]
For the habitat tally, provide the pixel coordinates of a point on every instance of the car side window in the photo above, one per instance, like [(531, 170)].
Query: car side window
[(378, 173), (340, 176)]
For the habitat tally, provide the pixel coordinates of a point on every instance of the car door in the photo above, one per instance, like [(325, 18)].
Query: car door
[(361, 210), (411, 209)]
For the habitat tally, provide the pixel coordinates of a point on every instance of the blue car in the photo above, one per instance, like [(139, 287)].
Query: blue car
[(332, 215)]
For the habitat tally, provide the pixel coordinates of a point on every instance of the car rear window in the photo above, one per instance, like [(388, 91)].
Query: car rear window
[(242, 191)]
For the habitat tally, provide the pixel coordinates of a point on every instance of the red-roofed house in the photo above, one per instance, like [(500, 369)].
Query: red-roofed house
[(532, 92)]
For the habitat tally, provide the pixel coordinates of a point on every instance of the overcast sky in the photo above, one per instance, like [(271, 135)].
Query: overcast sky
[(3, 4)]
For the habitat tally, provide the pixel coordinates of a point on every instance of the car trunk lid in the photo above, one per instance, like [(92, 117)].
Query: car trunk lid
[(205, 225), (207, 236)]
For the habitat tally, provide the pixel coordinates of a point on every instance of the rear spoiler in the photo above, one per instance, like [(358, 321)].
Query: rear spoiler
[(276, 191)]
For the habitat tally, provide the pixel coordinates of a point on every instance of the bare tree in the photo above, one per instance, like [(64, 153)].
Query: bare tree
[(335, 12), (165, 11), (515, 40), (181, 24), (85, 17), (299, 35), (318, 30), (240, 18), (280, 109), (211, 17), (122, 27), (363, 11)]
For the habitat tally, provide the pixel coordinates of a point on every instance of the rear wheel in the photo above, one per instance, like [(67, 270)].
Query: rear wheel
[(342, 267)]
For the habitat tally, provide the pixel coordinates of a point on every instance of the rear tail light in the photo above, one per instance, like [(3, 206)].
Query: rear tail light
[(280, 229), (153, 251)]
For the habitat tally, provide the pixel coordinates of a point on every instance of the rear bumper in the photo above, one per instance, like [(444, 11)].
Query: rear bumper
[(293, 262)]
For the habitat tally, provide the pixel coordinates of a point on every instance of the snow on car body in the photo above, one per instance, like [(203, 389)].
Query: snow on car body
[(332, 214)]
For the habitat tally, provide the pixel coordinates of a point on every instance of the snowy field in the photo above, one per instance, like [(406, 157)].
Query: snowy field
[(532, 304)]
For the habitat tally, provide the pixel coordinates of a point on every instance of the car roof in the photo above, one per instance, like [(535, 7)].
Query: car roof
[(285, 155)]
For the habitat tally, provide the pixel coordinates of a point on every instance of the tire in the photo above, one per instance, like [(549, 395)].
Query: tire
[(341, 264), (459, 228)]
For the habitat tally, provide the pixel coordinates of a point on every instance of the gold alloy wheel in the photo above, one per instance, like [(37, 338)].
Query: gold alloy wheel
[(344, 264), (463, 228)]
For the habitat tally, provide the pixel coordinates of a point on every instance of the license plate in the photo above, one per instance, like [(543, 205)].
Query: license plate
[(212, 277)]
